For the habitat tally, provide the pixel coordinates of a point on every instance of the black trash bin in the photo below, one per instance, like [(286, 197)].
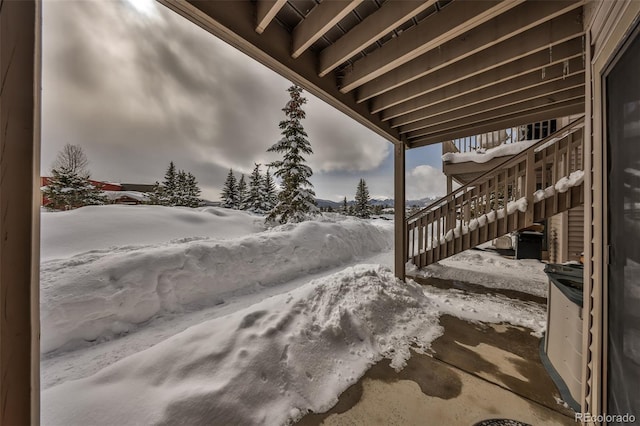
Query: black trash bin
[(529, 245)]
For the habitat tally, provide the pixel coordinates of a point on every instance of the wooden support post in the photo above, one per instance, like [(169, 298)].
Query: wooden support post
[(19, 211), (399, 208)]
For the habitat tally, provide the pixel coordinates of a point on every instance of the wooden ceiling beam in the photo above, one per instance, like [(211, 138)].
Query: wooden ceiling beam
[(550, 90), (390, 16), (562, 75), (562, 109), (542, 38), (320, 20), (266, 10), (452, 21), (452, 122), (513, 22), (522, 72)]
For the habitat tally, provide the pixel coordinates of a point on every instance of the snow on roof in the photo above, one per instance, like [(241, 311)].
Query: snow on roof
[(484, 155), (115, 195)]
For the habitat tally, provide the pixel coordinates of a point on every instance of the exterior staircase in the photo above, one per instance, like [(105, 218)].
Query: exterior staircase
[(537, 183)]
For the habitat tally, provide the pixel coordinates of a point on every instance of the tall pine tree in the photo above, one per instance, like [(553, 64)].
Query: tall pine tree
[(296, 200), (179, 196), (193, 192), (362, 209), (255, 200), (165, 194), (243, 193), (269, 192), (230, 192), (345, 206)]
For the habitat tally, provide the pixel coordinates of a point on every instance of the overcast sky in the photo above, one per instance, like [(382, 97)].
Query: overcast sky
[(138, 86)]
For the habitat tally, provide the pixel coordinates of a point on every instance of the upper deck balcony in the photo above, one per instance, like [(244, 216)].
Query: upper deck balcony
[(465, 159)]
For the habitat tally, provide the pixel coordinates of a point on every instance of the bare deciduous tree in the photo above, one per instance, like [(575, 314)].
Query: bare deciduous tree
[(73, 158)]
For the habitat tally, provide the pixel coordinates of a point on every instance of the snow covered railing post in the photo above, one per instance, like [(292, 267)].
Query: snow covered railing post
[(502, 200), (530, 186)]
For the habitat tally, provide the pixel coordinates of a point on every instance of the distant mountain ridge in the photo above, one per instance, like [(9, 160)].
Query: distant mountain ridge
[(423, 202)]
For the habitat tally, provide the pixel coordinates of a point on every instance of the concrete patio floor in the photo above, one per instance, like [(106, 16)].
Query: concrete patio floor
[(475, 372)]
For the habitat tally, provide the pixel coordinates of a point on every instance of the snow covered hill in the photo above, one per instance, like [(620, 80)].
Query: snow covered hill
[(102, 293), (94, 228)]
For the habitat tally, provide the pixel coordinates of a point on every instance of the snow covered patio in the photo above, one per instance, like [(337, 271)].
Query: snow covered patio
[(476, 372)]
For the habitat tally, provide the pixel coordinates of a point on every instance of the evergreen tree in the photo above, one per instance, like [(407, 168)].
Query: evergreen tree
[(255, 200), (362, 208), (230, 192), (345, 206), (68, 190), (157, 194), (179, 196), (296, 200), (167, 195), (193, 191), (243, 194), (269, 193), (179, 188)]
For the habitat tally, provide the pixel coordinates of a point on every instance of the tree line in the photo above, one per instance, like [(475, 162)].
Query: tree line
[(179, 189), (70, 187), (258, 196)]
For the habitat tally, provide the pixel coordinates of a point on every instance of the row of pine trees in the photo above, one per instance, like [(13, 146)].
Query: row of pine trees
[(258, 196), (179, 188)]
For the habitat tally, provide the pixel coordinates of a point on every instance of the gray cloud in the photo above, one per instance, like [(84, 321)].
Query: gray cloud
[(138, 90), (425, 181)]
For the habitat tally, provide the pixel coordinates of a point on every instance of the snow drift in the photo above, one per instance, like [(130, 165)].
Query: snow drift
[(93, 228), (267, 364), (102, 293)]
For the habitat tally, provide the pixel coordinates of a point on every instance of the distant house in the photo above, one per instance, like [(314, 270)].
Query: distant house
[(137, 187)]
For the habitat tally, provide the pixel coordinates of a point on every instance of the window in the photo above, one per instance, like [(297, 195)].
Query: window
[(623, 170)]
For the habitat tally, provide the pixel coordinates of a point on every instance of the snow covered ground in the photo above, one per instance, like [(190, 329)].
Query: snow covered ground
[(488, 268), (222, 321), (99, 228), (101, 293)]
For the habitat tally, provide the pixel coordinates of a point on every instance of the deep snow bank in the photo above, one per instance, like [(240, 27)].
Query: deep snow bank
[(266, 364), (92, 228), (98, 294)]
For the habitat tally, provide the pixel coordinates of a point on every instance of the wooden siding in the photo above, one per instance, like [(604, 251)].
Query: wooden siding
[(575, 233)]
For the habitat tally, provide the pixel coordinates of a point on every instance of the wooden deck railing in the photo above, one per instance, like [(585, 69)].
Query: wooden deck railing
[(502, 200), (488, 140)]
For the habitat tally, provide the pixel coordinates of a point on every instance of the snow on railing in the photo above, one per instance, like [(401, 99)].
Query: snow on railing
[(553, 163)]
